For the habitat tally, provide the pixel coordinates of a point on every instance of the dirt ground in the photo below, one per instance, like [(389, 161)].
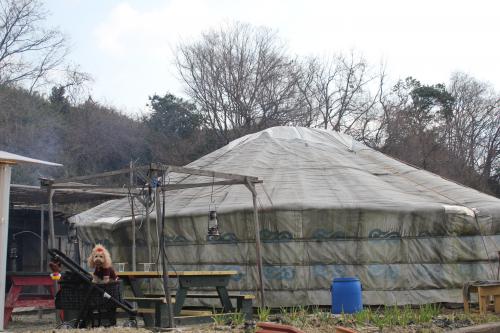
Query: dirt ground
[(30, 322)]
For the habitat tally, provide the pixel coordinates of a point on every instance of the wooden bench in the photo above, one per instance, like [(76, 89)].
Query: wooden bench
[(15, 298), (155, 304), (187, 281), (156, 307), (484, 292), (244, 302)]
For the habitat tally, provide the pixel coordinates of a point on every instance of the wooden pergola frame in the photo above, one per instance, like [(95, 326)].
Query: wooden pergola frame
[(157, 169)]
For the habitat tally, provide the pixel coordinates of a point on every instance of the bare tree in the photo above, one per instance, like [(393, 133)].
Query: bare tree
[(336, 93), (74, 87), (472, 130), (28, 52), (241, 78)]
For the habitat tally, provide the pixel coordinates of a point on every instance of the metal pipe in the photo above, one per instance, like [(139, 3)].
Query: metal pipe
[(5, 173)]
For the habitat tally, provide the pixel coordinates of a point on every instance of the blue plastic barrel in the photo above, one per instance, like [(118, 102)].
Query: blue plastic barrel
[(346, 295)]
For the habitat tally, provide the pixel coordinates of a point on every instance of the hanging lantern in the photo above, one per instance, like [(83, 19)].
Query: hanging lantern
[(213, 224)]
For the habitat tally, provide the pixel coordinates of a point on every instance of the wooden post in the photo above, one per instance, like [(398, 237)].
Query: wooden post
[(6, 162), (42, 222), (5, 174), (160, 215), (52, 234), (258, 253), (148, 233), (134, 261)]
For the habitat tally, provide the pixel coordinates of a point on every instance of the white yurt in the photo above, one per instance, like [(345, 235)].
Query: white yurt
[(329, 207)]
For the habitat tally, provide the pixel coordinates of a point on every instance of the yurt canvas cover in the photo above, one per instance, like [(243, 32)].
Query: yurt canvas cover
[(329, 207)]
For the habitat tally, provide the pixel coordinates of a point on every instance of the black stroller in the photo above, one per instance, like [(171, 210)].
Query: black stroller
[(84, 303)]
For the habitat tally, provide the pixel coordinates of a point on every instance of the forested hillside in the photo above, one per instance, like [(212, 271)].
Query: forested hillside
[(241, 79), (89, 137)]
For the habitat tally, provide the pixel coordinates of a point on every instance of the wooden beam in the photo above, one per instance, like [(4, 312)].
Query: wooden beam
[(173, 187), (94, 189), (155, 167), (134, 248), (258, 247), (73, 186), (101, 175), (201, 172), (160, 213), (98, 191)]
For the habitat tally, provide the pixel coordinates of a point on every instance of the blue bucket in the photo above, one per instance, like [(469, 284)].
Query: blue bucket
[(346, 295)]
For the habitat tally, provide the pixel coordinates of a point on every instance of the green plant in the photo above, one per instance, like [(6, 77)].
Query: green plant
[(295, 313), (237, 318), (364, 316), (263, 313), (219, 319), (322, 316), (326, 316), (428, 311)]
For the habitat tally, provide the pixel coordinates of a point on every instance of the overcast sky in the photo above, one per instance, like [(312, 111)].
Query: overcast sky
[(127, 46)]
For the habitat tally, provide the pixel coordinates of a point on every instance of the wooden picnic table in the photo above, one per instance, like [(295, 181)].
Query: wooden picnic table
[(187, 280), (15, 298)]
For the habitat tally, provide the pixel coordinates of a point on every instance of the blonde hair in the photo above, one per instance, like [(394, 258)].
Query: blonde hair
[(107, 257)]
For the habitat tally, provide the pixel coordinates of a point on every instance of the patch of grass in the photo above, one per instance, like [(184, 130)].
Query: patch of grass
[(427, 312), (391, 316), (219, 320), (296, 315), (263, 313), (323, 316), (364, 317), (237, 318)]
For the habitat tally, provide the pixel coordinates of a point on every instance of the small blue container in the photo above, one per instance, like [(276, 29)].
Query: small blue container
[(346, 295)]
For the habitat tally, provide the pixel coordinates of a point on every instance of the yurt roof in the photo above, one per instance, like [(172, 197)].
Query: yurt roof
[(306, 168)]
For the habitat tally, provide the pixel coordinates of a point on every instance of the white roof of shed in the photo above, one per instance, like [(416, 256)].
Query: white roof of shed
[(7, 157)]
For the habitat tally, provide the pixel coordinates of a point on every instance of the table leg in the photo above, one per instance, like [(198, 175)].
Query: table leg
[(10, 303), (51, 290), (180, 297), (466, 305), (497, 303), (224, 299), (149, 321), (483, 304)]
